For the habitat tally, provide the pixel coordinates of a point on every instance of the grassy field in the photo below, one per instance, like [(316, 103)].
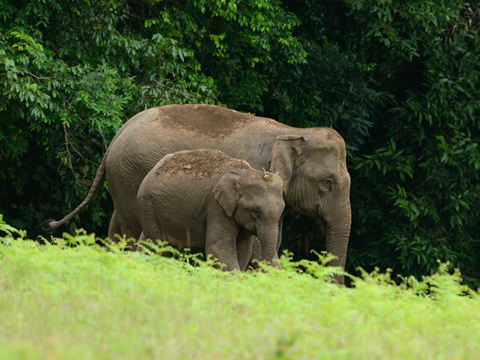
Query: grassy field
[(82, 302)]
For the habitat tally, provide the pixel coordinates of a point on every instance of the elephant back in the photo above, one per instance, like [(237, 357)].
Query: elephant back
[(202, 163)]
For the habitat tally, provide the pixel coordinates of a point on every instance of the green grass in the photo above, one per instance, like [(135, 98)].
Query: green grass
[(82, 302)]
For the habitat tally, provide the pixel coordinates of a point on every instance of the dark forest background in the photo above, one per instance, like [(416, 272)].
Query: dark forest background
[(399, 79)]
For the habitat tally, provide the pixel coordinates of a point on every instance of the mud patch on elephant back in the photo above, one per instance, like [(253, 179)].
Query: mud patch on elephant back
[(205, 162), (205, 119)]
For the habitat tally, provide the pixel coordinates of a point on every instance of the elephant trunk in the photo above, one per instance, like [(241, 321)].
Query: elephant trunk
[(268, 238), (337, 235)]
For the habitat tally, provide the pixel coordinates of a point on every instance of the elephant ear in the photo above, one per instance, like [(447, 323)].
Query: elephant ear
[(284, 157), (227, 191)]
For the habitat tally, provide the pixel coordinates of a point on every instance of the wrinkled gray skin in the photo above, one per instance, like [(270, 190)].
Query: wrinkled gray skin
[(207, 201), (311, 163)]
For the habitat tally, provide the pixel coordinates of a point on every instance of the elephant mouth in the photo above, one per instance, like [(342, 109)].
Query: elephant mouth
[(251, 232)]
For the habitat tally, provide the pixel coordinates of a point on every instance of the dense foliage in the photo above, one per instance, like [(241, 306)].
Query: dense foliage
[(74, 300), (399, 80)]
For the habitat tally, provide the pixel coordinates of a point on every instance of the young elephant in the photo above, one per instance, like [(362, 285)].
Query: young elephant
[(207, 201)]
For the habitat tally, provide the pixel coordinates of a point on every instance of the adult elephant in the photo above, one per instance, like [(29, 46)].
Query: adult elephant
[(311, 162)]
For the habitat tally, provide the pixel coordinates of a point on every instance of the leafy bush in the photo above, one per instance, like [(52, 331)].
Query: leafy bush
[(417, 188), (75, 300)]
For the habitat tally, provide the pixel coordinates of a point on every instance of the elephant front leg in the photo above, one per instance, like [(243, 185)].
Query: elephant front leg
[(221, 242), (244, 250), (140, 243), (257, 255)]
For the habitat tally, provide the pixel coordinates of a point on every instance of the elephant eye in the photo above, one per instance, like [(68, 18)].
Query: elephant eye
[(328, 183), (256, 213)]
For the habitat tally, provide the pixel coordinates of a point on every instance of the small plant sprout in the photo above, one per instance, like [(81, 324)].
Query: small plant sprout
[(267, 174)]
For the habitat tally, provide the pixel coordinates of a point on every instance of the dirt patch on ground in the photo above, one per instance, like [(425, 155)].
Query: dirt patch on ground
[(205, 119)]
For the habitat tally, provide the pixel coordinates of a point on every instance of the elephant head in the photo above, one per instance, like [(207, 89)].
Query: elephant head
[(255, 203), (317, 184)]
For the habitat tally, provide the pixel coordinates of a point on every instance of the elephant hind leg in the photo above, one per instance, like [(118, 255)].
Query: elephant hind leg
[(114, 227)]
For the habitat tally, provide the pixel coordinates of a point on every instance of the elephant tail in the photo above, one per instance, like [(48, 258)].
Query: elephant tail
[(51, 224)]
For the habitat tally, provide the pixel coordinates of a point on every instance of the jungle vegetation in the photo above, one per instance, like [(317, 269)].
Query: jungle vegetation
[(399, 79)]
